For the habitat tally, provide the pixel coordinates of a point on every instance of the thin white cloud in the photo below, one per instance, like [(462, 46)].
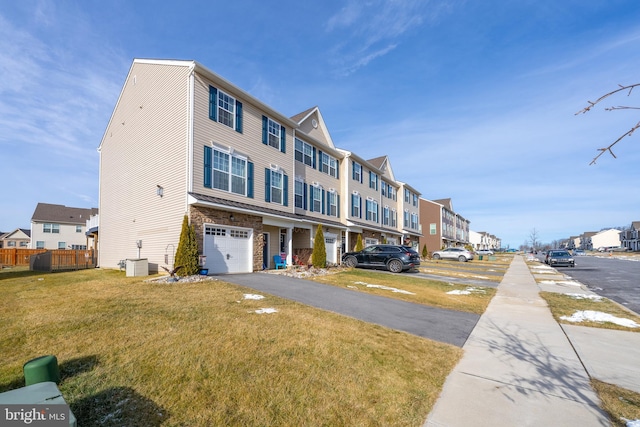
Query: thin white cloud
[(372, 29)]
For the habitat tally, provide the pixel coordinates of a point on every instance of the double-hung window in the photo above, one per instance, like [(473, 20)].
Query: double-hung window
[(332, 203), (51, 228), (386, 216), (274, 130), (328, 165), (225, 109), (415, 200), (220, 170), (277, 183), (372, 210), (238, 175), (316, 198), (304, 152), (274, 134), (394, 218), (299, 193), (227, 172), (357, 172), (414, 221), (355, 206), (373, 180), (407, 196)]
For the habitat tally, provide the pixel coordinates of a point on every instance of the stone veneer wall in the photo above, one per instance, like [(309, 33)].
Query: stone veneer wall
[(199, 216)]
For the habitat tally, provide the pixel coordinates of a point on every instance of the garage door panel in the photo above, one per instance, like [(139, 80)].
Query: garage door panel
[(228, 250)]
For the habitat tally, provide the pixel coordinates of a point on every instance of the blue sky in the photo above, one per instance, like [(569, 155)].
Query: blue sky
[(471, 100)]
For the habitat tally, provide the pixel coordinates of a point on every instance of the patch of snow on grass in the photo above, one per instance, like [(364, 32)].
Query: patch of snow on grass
[(386, 288), (253, 296), (597, 298), (560, 282), (266, 311), (598, 316), (467, 291)]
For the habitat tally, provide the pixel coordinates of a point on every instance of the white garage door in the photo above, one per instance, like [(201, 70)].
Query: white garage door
[(331, 248), (228, 249)]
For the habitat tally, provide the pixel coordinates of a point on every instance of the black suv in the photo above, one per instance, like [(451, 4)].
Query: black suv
[(394, 258)]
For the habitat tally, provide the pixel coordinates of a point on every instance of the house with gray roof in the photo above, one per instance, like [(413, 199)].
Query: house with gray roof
[(59, 227)]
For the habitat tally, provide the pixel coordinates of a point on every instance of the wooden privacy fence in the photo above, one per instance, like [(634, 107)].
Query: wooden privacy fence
[(63, 259), (10, 257)]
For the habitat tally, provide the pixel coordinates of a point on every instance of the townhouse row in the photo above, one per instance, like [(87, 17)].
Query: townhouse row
[(254, 183), (609, 238)]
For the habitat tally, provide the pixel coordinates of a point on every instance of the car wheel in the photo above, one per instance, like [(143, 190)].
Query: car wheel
[(395, 266), (462, 258), (436, 256), (351, 261)]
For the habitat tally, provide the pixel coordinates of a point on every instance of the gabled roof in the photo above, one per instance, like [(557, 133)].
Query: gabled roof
[(17, 231), (384, 165), (446, 203), (635, 225), (301, 116), (46, 212), (314, 116)]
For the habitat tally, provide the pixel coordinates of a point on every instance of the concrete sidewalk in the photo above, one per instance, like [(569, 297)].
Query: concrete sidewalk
[(519, 368)]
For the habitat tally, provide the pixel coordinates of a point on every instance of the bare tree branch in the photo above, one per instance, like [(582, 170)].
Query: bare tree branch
[(605, 96), (628, 133), (604, 150), (622, 107)]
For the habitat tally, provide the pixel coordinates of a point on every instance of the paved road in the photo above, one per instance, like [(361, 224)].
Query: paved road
[(610, 277), (448, 326)]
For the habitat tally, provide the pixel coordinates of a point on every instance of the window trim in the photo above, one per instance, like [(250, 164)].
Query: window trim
[(316, 190), (303, 155), (325, 164), (332, 203), (356, 175), (210, 170), (299, 195)]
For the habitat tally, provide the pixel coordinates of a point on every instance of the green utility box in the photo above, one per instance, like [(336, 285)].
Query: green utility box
[(480, 257), (41, 369)]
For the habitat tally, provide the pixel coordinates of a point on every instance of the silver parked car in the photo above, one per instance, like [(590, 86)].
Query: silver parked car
[(461, 254)]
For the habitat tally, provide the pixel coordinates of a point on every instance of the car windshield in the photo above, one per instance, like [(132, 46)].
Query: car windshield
[(559, 253)]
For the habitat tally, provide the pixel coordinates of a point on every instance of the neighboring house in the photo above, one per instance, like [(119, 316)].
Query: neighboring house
[(605, 238), (484, 241), (59, 227), (584, 241), (253, 182), (18, 238), (410, 208), (371, 207), (630, 238), (573, 242), (442, 226)]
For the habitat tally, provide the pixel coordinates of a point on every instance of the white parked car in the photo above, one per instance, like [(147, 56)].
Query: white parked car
[(484, 252), (461, 254)]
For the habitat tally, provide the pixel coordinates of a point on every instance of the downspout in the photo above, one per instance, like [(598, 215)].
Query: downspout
[(190, 142)]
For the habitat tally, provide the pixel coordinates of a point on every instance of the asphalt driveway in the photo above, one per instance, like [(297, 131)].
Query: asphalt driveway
[(448, 326)]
